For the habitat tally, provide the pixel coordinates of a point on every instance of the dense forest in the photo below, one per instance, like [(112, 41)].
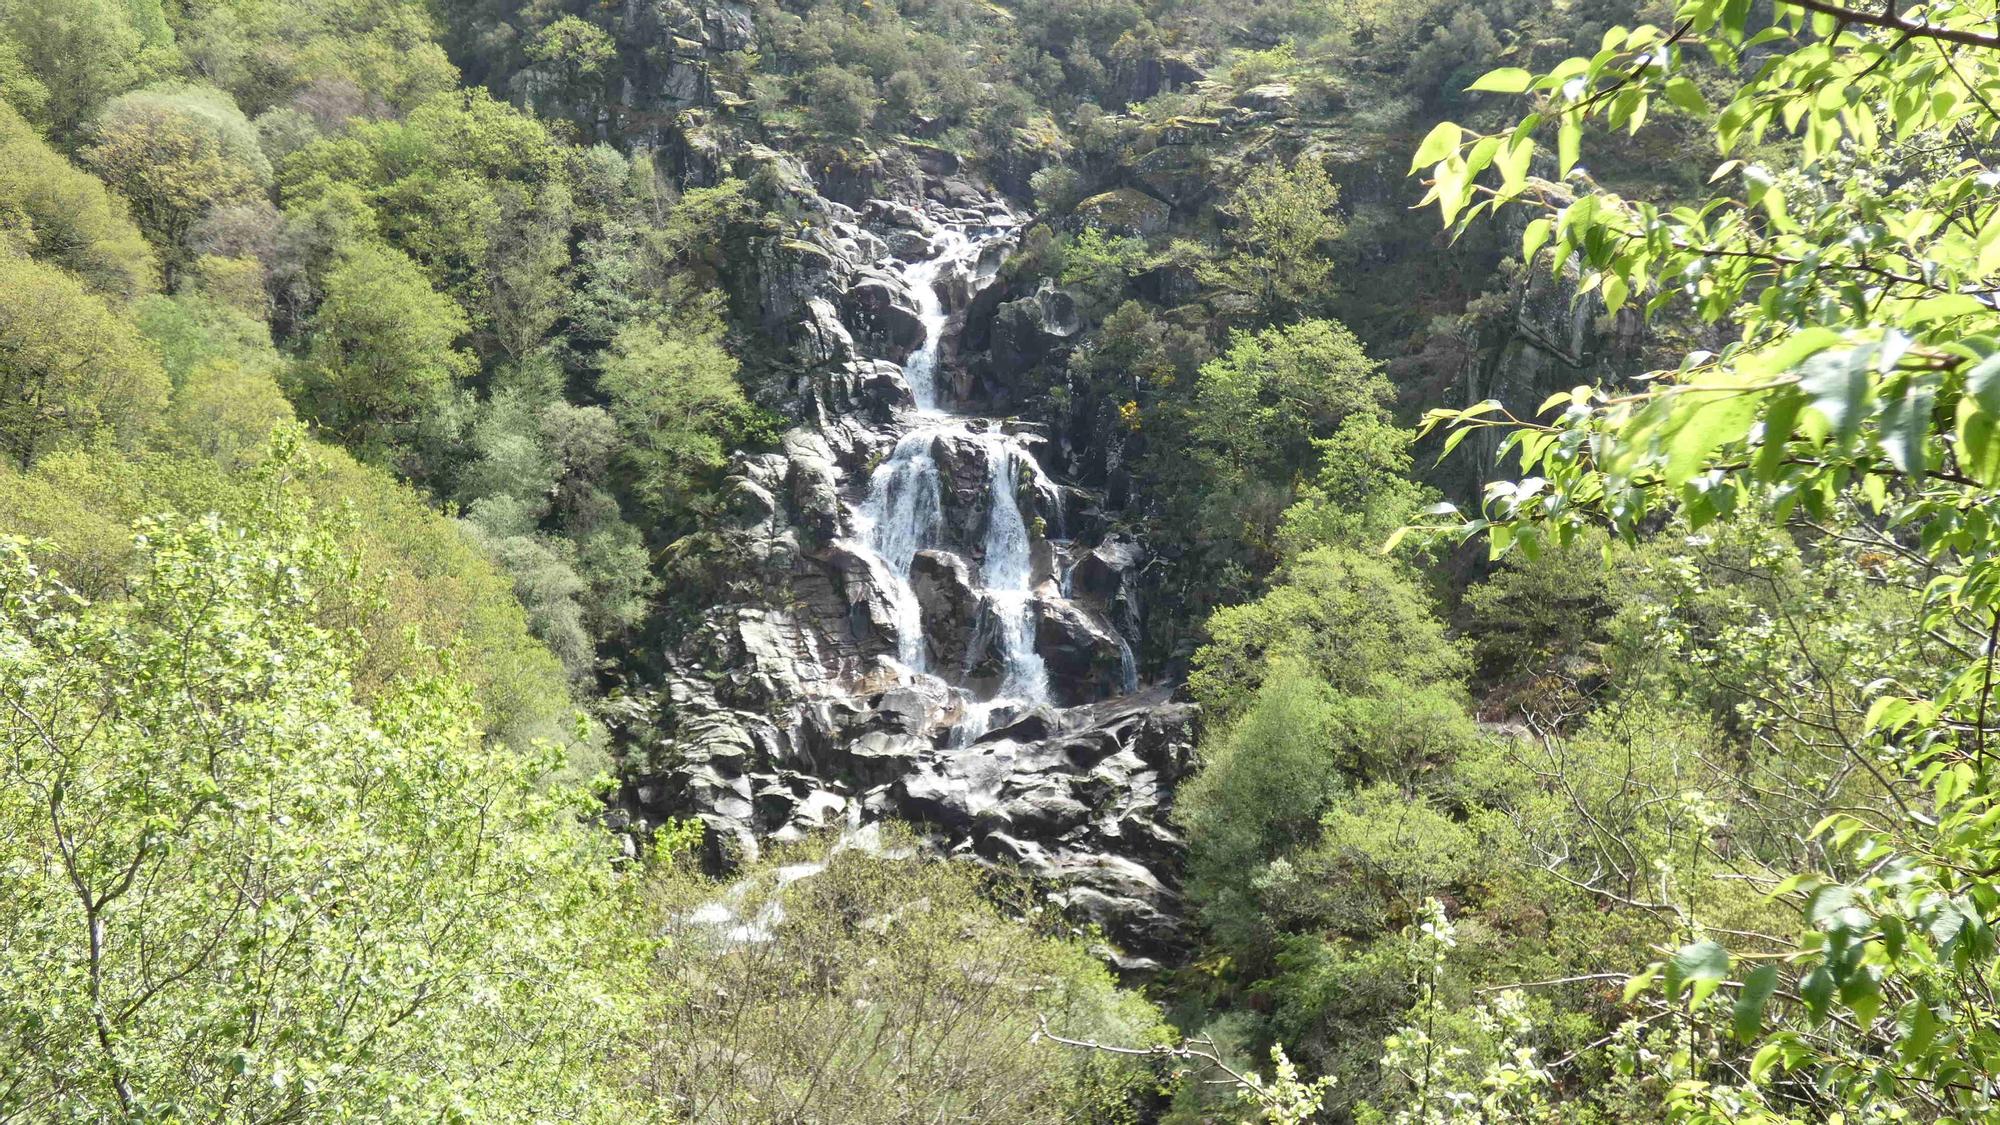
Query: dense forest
[(999, 561)]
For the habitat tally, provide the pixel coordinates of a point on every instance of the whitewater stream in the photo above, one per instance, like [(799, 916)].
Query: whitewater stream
[(967, 666), (903, 511)]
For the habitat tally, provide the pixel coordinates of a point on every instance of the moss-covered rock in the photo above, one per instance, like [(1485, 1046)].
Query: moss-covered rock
[(1125, 210)]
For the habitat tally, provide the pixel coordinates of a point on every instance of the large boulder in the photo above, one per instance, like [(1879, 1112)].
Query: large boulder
[(1107, 577), (822, 339), (942, 582), (1125, 210), (1174, 165), (1030, 332), (1274, 98), (1087, 659), (882, 317)]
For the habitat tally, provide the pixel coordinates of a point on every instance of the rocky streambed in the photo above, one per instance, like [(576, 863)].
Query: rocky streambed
[(918, 618)]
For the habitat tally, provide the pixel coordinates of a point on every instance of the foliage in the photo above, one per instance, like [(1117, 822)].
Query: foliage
[(71, 370), (430, 593), (236, 891), (1539, 618), (1353, 620), (839, 985), (1286, 218), (1260, 406), (1361, 492), (1444, 1087), (840, 101), (675, 396), (1101, 264), (74, 56), (384, 348), (1854, 402), (55, 211), (174, 152)]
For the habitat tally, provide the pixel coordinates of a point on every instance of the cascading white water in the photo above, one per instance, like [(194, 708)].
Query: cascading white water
[(903, 512), (1008, 575), (920, 370), (899, 518)]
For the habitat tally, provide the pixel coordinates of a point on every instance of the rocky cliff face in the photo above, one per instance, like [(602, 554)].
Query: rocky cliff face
[(920, 616)]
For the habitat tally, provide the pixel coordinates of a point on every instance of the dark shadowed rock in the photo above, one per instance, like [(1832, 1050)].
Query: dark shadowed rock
[(943, 585), (881, 316), (1085, 657)]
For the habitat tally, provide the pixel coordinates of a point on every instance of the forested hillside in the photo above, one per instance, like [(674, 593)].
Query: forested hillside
[(893, 561)]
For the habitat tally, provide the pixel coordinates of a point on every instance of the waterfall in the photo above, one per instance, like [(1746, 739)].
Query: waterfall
[(903, 512), (1128, 664), (899, 518), (920, 370), (1008, 574)]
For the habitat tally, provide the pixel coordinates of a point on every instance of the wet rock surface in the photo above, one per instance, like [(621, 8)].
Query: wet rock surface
[(914, 616)]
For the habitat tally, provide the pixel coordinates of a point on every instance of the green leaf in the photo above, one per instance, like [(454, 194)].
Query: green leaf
[(1711, 425), (1921, 1030), (1704, 964), (1514, 162), (1817, 991), (1682, 92), (1439, 143), (1861, 991), (1506, 80), (1905, 423), (1837, 386), (1642, 981), (1779, 420), (1533, 239), (1787, 354), (1569, 144), (1978, 442), (1983, 383), (1747, 1018), (1767, 1058)]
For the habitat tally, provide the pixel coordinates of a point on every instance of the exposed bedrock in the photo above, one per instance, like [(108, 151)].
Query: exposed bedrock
[(913, 613)]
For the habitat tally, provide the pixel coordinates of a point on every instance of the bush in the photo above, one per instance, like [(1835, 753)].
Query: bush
[(846, 986), (281, 903), (838, 100)]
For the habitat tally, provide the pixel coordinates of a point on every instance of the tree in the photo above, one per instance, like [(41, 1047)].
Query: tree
[(466, 185), (1857, 404), (71, 369), (1101, 265), (676, 397), (839, 100), (1262, 787), (1285, 220), (1260, 406), (575, 53), (527, 253), (1361, 492), (80, 53), (382, 347), (59, 213), (175, 152), (235, 892), (1350, 619), (229, 411)]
